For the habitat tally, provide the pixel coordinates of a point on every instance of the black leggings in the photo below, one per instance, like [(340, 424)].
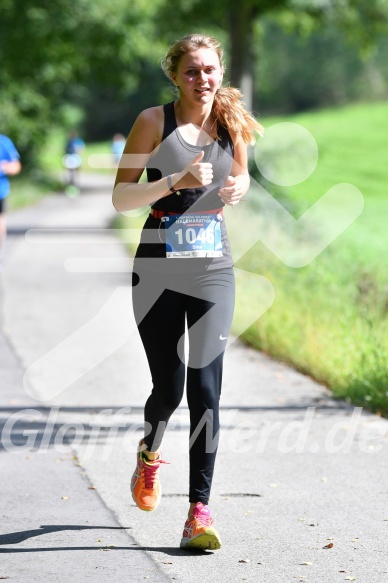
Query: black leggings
[(162, 303)]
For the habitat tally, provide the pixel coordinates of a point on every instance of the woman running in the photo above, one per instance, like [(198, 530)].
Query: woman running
[(195, 152)]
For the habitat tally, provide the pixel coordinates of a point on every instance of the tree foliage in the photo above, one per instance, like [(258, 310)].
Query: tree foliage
[(53, 52), (361, 21)]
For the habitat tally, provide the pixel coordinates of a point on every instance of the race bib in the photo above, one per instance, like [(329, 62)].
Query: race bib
[(193, 235)]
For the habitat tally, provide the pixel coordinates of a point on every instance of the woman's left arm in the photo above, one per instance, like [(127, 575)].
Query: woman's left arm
[(237, 184)]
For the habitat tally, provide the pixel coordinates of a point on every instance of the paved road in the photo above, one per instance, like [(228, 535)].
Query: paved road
[(296, 470)]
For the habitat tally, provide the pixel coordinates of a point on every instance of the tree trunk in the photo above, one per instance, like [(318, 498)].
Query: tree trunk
[(241, 22)]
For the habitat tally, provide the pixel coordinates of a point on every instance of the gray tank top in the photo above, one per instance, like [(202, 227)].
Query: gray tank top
[(173, 154)]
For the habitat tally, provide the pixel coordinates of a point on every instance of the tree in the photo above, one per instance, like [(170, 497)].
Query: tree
[(322, 69), (360, 20), (53, 51)]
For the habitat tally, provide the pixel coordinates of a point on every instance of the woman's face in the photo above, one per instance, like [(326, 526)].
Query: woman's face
[(199, 75)]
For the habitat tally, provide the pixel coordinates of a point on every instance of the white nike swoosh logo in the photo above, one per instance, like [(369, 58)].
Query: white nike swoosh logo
[(223, 337)]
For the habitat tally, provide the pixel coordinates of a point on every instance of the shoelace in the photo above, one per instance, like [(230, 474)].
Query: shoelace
[(150, 470), (205, 521), (203, 516)]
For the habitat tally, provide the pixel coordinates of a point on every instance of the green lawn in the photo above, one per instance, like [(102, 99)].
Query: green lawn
[(27, 190), (52, 154), (330, 318)]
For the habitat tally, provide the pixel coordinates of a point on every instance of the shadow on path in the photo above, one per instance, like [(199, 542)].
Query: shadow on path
[(14, 538)]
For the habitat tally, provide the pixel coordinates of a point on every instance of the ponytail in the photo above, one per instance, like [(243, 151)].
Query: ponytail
[(229, 111)]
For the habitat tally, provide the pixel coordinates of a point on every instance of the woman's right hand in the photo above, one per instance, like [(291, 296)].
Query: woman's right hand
[(195, 174)]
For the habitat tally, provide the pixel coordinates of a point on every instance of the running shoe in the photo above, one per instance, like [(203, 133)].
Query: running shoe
[(199, 532), (145, 485)]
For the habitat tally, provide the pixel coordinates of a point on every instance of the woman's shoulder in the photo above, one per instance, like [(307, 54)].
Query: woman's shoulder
[(152, 113), (153, 119)]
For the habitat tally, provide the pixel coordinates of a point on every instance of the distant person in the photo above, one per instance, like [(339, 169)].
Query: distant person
[(118, 145), (72, 161), (9, 166)]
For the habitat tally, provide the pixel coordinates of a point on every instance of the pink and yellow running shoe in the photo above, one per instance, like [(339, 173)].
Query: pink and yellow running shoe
[(145, 485), (199, 532)]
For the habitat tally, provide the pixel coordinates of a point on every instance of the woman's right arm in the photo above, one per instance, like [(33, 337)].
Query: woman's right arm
[(128, 194), (144, 137)]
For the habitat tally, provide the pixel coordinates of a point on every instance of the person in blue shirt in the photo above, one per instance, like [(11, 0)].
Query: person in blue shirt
[(74, 144), (72, 161), (118, 145), (9, 166)]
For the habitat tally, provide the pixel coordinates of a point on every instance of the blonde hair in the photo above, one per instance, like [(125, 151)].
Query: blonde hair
[(228, 107)]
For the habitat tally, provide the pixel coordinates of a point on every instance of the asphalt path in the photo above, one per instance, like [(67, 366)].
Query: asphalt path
[(300, 491)]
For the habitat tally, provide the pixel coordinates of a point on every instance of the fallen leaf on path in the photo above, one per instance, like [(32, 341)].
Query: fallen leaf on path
[(329, 546)]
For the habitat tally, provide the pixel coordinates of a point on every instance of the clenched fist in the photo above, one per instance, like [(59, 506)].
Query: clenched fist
[(232, 192)]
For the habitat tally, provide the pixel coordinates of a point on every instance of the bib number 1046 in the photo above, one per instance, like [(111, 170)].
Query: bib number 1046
[(191, 235)]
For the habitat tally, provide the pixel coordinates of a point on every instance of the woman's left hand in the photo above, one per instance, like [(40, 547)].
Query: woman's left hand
[(232, 192)]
